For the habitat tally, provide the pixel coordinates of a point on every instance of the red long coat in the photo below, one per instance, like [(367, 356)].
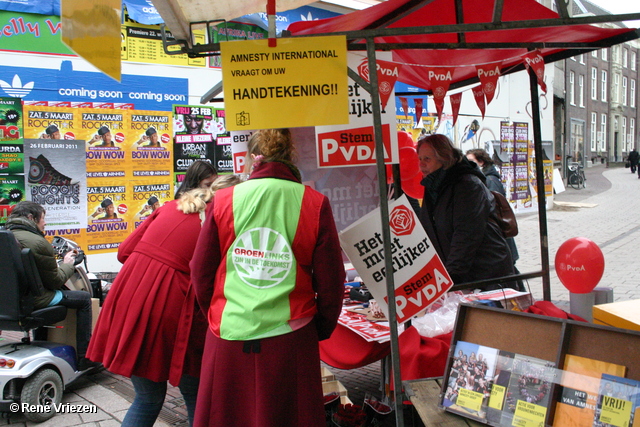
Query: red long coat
[(146, 321)]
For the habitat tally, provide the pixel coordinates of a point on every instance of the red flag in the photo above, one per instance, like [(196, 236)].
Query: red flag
[(405, 106), (478, 94), (535, 60), (417, 102), (440, 79), (455, 105), (488, 75), (387, 72)]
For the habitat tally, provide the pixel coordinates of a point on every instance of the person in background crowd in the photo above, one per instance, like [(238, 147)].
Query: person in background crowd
[(633, 160), (494, 183), (268, 271), (104, 135), (456, 214), (200, 174), (27, 223), (149, 329), (51, 132)]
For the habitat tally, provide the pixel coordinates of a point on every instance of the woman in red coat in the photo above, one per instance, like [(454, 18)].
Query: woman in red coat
[(150, 305)]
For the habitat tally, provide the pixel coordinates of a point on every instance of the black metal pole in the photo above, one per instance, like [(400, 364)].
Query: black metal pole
[(542, 206), (386, 232)]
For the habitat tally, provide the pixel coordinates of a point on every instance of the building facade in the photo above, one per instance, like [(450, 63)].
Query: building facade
[(597, 118)]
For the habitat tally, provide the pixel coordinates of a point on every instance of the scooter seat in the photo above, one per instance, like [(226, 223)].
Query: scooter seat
[(37, 318)]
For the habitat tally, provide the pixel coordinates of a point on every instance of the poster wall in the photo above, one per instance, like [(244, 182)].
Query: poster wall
[(200, 134), (56, 179), (11, 156), (127, 166)]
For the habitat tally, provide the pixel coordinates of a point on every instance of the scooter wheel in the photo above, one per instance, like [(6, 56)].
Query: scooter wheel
[(43, 388)]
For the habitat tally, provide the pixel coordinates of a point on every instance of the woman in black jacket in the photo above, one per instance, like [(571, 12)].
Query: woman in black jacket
[(456, 213)]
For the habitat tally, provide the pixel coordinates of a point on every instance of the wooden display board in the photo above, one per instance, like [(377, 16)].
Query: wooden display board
[(546, 338)]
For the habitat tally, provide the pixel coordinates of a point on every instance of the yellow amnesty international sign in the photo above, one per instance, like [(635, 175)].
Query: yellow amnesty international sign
[(301, 82)]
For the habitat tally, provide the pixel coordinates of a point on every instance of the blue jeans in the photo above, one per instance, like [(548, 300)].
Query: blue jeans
[(81, 301), (150, 396)]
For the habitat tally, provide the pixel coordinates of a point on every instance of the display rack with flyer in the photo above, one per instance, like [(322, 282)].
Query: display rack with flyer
[(539, 371)]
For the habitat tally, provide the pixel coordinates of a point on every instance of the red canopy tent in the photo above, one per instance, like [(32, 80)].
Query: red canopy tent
[(422, 33), (460, 35)]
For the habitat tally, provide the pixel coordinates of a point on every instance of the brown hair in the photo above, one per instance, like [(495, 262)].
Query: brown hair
[(196, 200), (445, 152), (196, 172), (482, 155), (26, 208), (273, 144)]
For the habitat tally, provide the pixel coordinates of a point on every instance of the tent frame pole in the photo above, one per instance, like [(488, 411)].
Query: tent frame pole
[(540, 184), (386, 232)]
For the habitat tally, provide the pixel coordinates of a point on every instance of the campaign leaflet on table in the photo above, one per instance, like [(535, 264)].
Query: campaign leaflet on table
[(108, 225), (147, 197), (10, 119), (52, 123), (56, 179), (150, 144), (11, 193)]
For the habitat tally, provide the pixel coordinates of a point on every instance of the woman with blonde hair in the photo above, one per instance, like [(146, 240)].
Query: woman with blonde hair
[(148, 320), (268, 272)]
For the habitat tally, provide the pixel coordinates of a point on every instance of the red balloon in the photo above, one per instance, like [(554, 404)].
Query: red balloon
[(579, 265), (409, 163), (413, 188), (405, 140)]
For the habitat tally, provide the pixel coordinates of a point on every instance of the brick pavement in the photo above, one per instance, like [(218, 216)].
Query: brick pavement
[(612, 222)]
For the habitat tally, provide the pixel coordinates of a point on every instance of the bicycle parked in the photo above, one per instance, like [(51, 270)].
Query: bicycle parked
[(576, 177)]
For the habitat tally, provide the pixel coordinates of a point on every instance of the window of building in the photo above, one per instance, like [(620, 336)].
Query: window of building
[(624, 90), (633, 60), (604, 54), (625, 57), (573, 58), (624, 133), (632, 132), (603, 88), (594, 53), (632, 94), (582, 59), (593, 127), (615, 54), (572, 88), (602, 135), (581, 90), (594, 83), (615, 91)]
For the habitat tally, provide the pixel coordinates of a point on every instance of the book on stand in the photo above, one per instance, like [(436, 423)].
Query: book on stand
[(529, 392), (470, 377), (580, 386), (500, 383), (618, 402)]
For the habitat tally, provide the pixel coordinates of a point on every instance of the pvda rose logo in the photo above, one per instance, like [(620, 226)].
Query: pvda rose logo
[(401, 221)]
